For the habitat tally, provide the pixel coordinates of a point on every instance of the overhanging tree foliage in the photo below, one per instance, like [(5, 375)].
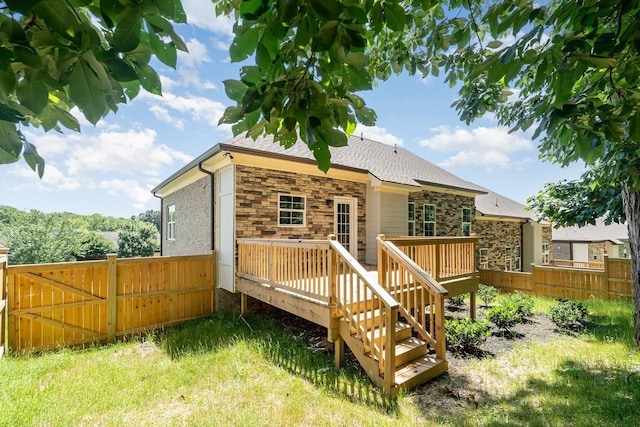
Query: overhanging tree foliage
[(570, 71), (90, 54)]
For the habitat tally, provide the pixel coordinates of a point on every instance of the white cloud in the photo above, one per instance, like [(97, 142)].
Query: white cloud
[(131, 152), (162, 114), (53, 179), (377, 133), (140, 196), (197, 54), (484, 146), (202, 14)]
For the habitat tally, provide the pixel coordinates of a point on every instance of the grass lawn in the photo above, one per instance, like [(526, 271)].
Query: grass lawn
[(225, 371)]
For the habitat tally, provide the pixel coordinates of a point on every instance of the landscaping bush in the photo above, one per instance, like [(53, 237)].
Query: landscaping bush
[(465, 335), (505, 316), (487, 294), (457, 301), (567, 314), (523, 303)]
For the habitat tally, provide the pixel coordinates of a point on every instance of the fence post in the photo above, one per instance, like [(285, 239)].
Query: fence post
[(4, 303), (606, 275), (112, 296), (383, 267)]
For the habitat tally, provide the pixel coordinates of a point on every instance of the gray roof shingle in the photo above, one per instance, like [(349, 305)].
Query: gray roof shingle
[(494, 204), (599, 232)]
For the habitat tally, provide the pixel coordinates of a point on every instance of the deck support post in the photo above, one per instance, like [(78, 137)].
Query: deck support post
[(472, 305), (338, 348), (243, 303)]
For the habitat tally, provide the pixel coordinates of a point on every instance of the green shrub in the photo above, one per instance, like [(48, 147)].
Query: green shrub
[(567, 314), (505, 316), (465, 334), (487, 294), (456, 301), (523, 303)]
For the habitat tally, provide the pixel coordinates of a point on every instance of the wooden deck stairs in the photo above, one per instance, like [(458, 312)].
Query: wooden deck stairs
[(394, 325)]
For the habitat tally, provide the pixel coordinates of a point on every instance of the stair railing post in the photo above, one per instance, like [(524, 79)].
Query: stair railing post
[(441, 342), (390, 318), (383, 265)]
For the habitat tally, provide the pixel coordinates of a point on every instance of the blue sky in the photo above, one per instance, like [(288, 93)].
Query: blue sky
[(111, 168)]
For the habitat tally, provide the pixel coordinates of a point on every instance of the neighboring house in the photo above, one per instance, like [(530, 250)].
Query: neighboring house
[(509, 237), (257, 189), (591, 242)]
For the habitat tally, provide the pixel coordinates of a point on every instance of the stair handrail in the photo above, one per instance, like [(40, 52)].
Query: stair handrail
[(435, 336), (385, 353)]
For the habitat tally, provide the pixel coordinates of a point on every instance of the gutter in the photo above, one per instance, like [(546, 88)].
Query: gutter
[(211, 199)]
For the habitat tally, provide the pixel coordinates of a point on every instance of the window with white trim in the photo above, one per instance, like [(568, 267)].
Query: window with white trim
[(545, 253), (411, 219), (508, 259), (171, 222), (517, 259), (466, 221), (291, 210), (429, 220), (483, 258)]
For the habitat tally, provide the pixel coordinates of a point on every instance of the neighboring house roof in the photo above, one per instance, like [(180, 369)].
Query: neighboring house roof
[(494, 204), (385, 162), (600, 232)]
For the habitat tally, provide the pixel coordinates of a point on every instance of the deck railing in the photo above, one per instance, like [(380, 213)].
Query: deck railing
[(599, 265), (444, 258), (421, 297), (298, 266)]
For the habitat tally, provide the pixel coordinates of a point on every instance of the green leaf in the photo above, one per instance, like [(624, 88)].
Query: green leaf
[(126, 37), (120, 70), (165, 52), (323, 156), (634, 126), (594, 61), (84, 89), (356, 59), (494, 44), (22, 6), (58, 16), (10, 143), (149, 79), (250, 9), (27, 56), (563, 87), (235, 89), (34, 95), (231, 115), (33, 159), (332, 137), (324, 38), (179, 16), (7, 84), (13, 31), (394, 16), (366, 116), (327, 9), (244, 45)]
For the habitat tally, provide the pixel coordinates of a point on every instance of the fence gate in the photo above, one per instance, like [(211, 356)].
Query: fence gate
[(50, 307)]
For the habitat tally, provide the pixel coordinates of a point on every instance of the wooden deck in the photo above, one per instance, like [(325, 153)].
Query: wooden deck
[(392, 319)]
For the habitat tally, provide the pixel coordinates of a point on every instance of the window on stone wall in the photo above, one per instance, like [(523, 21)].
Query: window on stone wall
[(517, 259), (171, 222), (466, 221), (291, 210), (483, 258), (545, 253), (411, 219), (508, 259), (429, 220)]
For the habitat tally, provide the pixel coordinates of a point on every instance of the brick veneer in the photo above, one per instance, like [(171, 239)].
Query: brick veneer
[(496, 236), (257, 192)]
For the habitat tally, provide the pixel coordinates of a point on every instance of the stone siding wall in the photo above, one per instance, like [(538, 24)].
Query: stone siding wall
[(496, 236), (257, 192), (193, 219), (448, 212), (548, 239), (596, 251)]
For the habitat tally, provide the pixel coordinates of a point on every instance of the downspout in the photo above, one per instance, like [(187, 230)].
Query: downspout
[(161, 222), (211, 199)]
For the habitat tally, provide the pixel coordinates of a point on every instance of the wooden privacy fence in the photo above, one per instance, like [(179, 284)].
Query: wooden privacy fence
[(3, 298), (69, 304), (611, 282)]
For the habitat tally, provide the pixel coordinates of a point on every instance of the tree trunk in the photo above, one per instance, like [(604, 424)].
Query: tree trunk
[(631, 201)]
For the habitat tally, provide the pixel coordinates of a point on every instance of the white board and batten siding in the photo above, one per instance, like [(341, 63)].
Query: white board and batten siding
[(386, 214), (226, 228)]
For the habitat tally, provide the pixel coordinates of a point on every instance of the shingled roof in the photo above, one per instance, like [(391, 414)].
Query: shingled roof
[(600, 232), (385, 162), (494, 204)]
